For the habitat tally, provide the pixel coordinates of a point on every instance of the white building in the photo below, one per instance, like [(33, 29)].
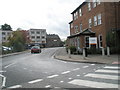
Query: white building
[(38, 36), (5, 35)]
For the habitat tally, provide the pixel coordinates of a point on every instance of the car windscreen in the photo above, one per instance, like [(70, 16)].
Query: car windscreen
[(35, 47)]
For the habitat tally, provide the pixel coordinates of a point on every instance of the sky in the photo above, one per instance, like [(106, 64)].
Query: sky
[(52, 15)]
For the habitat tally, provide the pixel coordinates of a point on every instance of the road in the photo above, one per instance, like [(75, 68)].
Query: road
[(43, 71)]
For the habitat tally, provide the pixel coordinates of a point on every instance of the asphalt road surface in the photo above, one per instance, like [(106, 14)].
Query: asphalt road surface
[(43, 71)]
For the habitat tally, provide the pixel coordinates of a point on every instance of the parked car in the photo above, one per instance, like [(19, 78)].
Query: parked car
[(35, 49)]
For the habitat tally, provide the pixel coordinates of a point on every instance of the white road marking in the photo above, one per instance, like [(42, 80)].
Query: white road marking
[(112, 67), (16, 86), (25, 68), (92, 84), (102, 76), (92, 64), (61, 81), (76, 69), (85, 66), (107, 71), (2, 71), (69, 78), (47, 86), (35, 81), (65, 72), (4, 80), (52, 76), (9, 65), (78, 75)]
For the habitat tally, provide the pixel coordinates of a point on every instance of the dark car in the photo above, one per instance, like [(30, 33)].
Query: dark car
[(35, 49)]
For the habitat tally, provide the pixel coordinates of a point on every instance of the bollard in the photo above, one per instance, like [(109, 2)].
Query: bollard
[(69, 53), (108, 51), (103, 52), (83, 53)]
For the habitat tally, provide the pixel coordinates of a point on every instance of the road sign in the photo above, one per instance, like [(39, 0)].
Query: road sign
[(93, 40)]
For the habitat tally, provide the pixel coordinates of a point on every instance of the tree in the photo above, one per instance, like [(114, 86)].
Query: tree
[(17, 41), (6, 27)]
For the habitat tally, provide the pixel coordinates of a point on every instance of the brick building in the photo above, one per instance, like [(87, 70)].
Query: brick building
[(93, 19), (53, 40)]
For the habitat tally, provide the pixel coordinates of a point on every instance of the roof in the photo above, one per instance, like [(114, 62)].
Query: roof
[(79, 7), (84, 32), (70, 22)]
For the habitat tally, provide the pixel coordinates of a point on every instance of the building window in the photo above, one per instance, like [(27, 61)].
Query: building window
[(99, 19), (71, 25), (80, 27), (38, 37), (75, 15), (94, 3), (80, 12), (89, 6), (90, 23), (3, 33), (98, 2), (95, 20), (33, 37), (76, 29), (100, 41), (87, 42), (43, 37), (32, 32), (38, 32)]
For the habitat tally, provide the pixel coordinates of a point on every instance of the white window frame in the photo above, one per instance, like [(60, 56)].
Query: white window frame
[(98, 2), (80, 12), (80, 27), (76, 29), (94, 3), (71, 25), (89, 6), (99, 19), (90, 22), (86, 42), (95, 20), (100, 46)]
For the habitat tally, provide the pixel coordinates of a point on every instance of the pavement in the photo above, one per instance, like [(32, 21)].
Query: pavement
[(63, 55), (16, 53)]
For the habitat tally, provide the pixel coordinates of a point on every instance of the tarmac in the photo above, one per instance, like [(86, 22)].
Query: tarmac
[(97, 58)]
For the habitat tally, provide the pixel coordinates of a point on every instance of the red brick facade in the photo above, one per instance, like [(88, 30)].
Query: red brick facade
[(97, 20)]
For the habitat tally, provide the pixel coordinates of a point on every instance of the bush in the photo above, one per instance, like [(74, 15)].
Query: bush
[(94, 51), (72, 49)]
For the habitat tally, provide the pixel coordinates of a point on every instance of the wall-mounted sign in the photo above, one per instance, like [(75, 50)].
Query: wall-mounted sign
[(93, 40)]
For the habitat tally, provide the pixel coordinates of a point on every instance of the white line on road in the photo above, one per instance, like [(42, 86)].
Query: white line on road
[(61, 81), (93, 84), (76, 69), (52, 76), (4, 80), (102, 76), (107, 71), (92, 64), (9, 65), (65, 72), (16, 86), (35, 81), (47, 86), (2, 71), (112, 67), (85, 66), (77, 75), (69, 78)]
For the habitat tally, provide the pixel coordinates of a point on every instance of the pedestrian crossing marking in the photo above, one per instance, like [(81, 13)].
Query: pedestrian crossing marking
[(108, 71), (102, 76), (92, 84)]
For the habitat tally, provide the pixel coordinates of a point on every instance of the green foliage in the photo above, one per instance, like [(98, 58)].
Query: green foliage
[(17, 41), (72, 49), (6, 27)]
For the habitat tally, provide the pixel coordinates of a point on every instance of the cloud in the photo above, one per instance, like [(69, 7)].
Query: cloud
[(52, 15)]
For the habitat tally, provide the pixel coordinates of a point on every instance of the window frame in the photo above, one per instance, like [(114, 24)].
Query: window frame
[(90, 22), (99, 19), (80, 12), (100, 41), (87, 42), (89, 6), (95, 20)]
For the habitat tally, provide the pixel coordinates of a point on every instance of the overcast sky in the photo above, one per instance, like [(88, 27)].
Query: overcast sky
[(52, 15)]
